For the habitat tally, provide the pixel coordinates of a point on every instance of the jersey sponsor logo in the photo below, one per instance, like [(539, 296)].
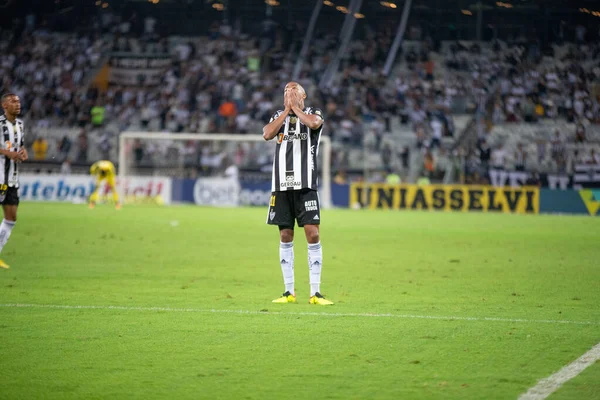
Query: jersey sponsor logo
[(7, 145), (311, 159), (289, 180), (290, 184), (311, 205), (294, 136)]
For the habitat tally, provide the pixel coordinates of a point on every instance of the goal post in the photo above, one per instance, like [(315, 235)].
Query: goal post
[(125, 155)]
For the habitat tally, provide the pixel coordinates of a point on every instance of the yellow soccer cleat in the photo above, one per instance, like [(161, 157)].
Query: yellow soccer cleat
[(320, 300), (287, 297), (4, 265)]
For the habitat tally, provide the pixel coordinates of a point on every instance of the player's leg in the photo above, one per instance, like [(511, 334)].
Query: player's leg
[(94, 196), (280, 214), (113, 187), (9, 207), (308, 213)]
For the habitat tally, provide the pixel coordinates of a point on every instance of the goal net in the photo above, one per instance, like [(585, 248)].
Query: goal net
[(207, 168)]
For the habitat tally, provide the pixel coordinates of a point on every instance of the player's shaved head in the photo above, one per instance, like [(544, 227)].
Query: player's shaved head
[(7, 96), (295, 86)]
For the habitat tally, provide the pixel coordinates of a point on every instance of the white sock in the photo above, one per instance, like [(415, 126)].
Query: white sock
[(286, 259), (315, 263), (6, 228)]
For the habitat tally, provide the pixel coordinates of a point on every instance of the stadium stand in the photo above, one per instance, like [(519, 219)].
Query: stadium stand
[(416, 122)]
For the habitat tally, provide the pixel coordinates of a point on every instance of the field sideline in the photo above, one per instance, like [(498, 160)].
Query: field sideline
[(155, 302)]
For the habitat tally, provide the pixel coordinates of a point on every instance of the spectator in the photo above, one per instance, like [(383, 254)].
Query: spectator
[(593, 158), (340, 177), (64, 147), (498, 158), (97, 115), (82, 144), (65, 168), (520, 158), (40, 148), (485, 154), (579, 133), (392, 178), (558, 146)]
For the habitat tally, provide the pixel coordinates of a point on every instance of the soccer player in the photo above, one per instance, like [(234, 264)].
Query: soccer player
[(294, 187), (12, 152), (104, 170)]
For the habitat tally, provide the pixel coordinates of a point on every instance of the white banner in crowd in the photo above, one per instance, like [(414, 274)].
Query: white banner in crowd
[(508, 178), (136, 70), (77, 188)]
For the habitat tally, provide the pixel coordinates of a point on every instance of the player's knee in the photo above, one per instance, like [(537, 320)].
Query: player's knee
[(312, 236), (286, 235)]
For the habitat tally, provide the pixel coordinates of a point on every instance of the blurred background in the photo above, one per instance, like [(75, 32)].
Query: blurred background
[(459, 91)]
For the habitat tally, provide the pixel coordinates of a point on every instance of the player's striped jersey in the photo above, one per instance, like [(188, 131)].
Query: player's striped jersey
[(295, 161), (12, 140)]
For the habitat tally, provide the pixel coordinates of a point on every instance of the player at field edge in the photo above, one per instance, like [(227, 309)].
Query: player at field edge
[(104, 170), (13, 152), (294, 194)]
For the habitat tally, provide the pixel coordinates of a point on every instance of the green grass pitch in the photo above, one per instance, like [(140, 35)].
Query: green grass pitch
[(515, 276)]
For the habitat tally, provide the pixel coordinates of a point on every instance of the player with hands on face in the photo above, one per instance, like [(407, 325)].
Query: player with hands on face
[(294, 196)]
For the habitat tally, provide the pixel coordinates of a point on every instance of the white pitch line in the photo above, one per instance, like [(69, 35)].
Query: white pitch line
[(293, 313), (549, 385)]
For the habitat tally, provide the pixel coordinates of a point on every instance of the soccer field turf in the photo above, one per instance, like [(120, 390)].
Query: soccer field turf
[(175, 302)]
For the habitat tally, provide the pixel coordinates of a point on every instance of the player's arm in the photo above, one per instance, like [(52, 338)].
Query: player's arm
[(13, 155), (313, 121), (23, 154), (272, 128)]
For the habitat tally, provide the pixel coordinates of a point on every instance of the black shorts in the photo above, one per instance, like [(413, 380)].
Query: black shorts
[(11, 198), (287, 207)]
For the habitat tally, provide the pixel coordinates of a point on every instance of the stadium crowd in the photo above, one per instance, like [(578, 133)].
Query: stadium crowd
[(229, 81)]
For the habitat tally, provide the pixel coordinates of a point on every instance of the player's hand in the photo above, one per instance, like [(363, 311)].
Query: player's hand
[(297, 100), (13, 155), (23, 156), (294, 99), (287, 102)]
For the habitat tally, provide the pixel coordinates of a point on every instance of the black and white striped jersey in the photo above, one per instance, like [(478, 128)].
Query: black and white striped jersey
[(295, 161), (12, 140)]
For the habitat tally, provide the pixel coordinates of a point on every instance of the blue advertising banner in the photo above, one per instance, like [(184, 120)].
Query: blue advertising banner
[(227, 192), (340, 195), (584, 201)]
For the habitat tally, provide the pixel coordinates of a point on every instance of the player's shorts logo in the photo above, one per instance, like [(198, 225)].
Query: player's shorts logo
[(272, 215), (311, 205)]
